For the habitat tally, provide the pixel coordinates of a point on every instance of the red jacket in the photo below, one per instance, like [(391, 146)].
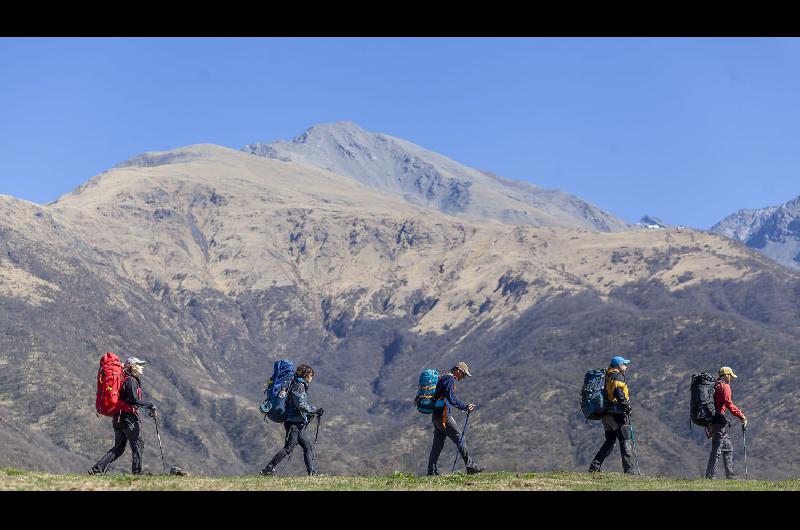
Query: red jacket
[(722, 399)]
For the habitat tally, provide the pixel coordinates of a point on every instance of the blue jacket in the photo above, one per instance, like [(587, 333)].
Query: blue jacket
[(298, 410), (445, 393)]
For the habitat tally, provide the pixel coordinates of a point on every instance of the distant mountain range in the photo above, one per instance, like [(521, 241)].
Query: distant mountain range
[(773, 231), (372, 259)]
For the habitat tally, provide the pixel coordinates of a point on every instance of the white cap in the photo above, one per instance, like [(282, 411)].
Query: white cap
[(134, 360)]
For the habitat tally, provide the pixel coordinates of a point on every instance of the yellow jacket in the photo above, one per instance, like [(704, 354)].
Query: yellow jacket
[(616, 390)]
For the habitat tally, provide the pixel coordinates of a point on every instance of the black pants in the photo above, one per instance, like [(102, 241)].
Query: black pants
[(294, 435), (126, 430), (616, 428), (448, 430), (720, 443)]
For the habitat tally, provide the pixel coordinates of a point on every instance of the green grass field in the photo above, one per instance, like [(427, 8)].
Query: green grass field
[(13, 479)]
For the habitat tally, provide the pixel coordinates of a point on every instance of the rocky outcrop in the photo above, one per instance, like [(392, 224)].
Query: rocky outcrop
[(773, 231)]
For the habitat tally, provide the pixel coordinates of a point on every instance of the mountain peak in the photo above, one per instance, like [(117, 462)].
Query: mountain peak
[(651, 221), (340, 130), (773, 231), (399, 168)]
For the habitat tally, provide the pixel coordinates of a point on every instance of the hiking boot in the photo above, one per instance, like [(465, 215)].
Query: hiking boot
[(475, 469), (267, 471), (433, 472), (93, 472)]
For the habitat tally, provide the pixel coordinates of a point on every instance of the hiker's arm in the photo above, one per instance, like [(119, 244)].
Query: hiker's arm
[(726, 397), (451, 397), (301, 401), (621, 394)]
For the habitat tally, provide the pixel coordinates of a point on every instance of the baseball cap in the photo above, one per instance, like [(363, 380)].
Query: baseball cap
[(464, 368), (134, 360)]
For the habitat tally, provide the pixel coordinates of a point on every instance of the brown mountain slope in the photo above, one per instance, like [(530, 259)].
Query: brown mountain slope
[(212, 264)]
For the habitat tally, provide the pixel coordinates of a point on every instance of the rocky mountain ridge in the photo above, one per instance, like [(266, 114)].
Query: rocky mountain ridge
[(773, 231), (399, 168)]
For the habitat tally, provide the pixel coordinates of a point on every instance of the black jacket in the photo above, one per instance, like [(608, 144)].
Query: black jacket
[(129, 392), (298, 410)]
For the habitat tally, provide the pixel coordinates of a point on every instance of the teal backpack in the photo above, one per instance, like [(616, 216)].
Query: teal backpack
[(427, 387)]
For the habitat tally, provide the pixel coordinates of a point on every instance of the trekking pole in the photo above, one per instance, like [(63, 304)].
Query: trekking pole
[(317, 436), (460, 439), (744, 440), (163, 464), (635, 454)]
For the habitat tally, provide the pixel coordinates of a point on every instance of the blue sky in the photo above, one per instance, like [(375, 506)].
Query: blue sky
[(686, 129)]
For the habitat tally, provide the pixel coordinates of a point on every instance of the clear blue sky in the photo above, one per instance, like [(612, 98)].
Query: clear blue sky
[(687, 129)]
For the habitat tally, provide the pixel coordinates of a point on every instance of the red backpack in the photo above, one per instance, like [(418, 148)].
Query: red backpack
[(109, 381)]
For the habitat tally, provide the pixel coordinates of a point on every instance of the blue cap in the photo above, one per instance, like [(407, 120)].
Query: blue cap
[(617, 361)]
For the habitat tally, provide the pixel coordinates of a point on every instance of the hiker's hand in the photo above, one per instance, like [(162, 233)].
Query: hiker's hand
[(471, 407), (153, 411), (627, 408), (744, 422), (319, 412)]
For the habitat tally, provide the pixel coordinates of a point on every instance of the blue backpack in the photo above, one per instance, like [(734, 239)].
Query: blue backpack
[(427, 387), (593, 395), (274, 406)]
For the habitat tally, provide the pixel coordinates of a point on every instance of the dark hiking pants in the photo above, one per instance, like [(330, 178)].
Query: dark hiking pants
[(720, 443), (126, 430), (294, 436), (616, 428), (440, 432)]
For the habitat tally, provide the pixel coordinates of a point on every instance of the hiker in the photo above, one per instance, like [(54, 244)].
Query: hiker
[(298, 414), (126, 421), (718, 430), (443, 423), (616, 419)]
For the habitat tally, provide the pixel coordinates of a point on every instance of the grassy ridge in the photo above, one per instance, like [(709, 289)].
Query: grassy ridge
[(13, 479)]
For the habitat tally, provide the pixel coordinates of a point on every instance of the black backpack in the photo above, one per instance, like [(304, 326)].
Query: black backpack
[(593, 395), (702, 409)]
